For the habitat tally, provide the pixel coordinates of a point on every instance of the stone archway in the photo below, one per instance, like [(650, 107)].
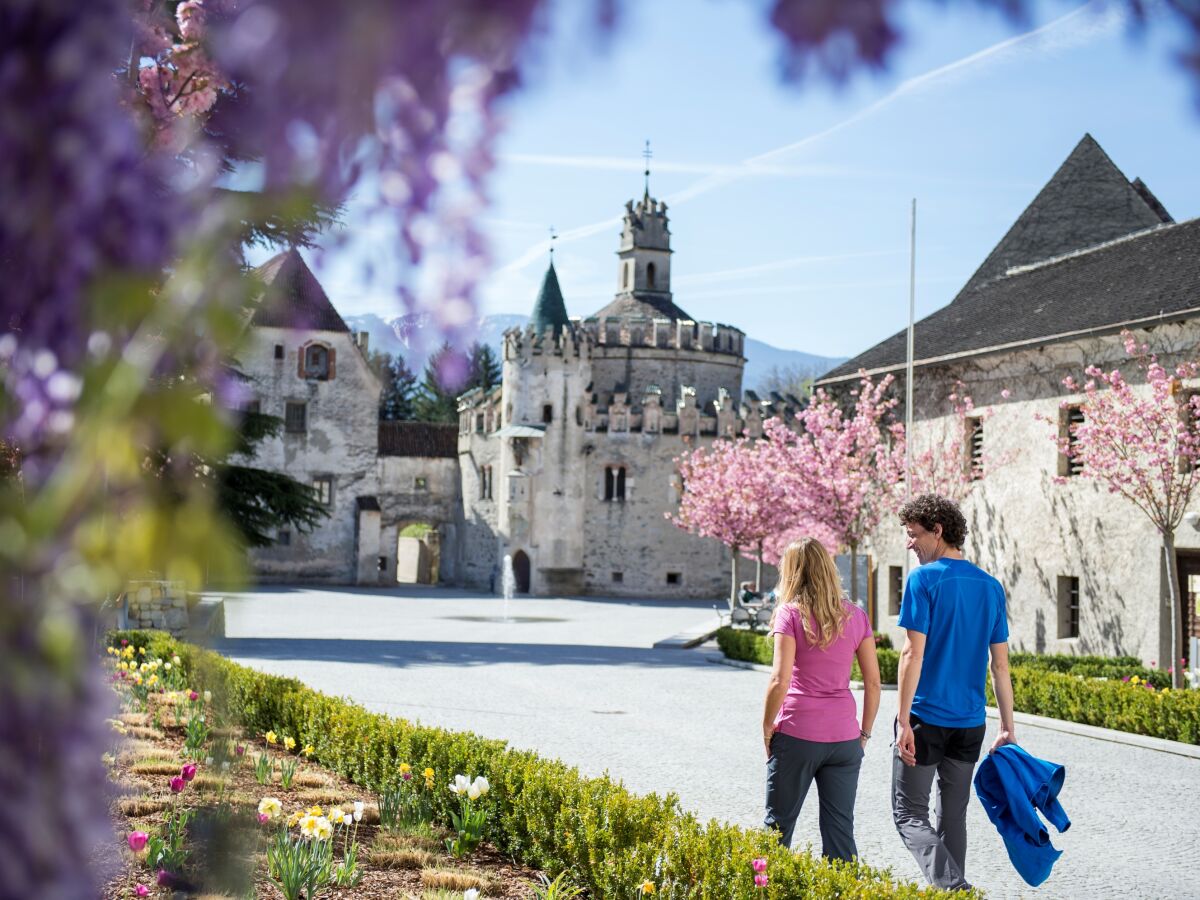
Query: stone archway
[(418, 551), (520, 564)]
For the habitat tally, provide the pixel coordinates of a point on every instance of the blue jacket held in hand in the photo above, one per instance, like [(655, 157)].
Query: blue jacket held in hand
[(1012, 786)]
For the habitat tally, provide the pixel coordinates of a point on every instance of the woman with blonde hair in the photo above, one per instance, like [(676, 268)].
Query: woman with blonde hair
[(810, 725)]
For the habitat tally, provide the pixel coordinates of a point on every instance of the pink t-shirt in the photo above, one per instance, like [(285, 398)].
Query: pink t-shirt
[(819, 706)]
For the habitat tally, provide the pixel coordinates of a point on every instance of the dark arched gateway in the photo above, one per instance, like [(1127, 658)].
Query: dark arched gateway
[(520, 564)]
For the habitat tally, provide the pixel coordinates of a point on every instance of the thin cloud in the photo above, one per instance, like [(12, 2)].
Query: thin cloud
[(777, 266), (621, 164), (1076, 28)]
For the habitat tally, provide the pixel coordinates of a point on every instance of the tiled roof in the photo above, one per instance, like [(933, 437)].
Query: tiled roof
[(1086, 202), (642, 306), (292, 297), (418, 439), (1134, 279)]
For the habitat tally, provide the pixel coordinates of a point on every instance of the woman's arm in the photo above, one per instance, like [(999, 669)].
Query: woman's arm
[(777, 687), (868, 664)]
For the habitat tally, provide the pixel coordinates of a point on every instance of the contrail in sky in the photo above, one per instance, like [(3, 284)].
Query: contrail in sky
[(1061, 33)]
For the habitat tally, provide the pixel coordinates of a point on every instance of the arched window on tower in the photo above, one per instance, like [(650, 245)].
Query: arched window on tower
[(650, 275), (625, 276)]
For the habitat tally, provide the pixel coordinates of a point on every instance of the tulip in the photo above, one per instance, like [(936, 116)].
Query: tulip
[(165, 878), (188, 772), (137, 841), (239, 750), (759, 864), (761, 880), (141, 891), (358, 810), (177, 784), (407, 776), (124, 643), (473, 792), (460, 784), (471, 894), (481, 784), (193, 696)]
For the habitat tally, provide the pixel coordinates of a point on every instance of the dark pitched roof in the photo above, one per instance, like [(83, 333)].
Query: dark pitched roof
[(292, 297), (642, 306), (1137, 278), (418, 439), (549, 310), (1087, 202)]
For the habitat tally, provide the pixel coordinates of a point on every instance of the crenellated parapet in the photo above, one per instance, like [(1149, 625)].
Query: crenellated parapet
[(665, 334), (569, 343)]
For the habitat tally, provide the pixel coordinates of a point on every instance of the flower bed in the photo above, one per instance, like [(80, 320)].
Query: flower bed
[(1113, 693), (610, 842)]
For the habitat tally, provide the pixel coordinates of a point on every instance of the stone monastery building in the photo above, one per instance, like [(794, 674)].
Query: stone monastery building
[(566, 466)]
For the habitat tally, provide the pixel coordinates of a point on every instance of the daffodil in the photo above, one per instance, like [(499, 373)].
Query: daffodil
[(315, 811), (323, 831), (335, 815), (405, 768), (428, 773), (289, 743), (270, 807), (271, 737), (648, 887), (308, 825), (294, 818), (141, 651), (308, 750)]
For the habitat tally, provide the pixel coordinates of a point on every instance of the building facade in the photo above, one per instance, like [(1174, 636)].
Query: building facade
[(1092, 255)]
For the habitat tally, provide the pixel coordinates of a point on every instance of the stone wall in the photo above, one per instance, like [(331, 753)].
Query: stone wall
[(157, 604), (1027, 528)]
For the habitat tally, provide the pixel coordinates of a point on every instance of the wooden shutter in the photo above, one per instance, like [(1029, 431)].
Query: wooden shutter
[(332, 360)]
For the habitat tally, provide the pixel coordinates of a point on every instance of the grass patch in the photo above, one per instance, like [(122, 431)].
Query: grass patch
[(140, 807), (391, 840), (155, 767), (145, 733), (400, 859), (311, 780)]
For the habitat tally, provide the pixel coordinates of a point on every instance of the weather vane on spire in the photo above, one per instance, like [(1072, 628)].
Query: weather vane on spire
[(553, 238), (646, 154)]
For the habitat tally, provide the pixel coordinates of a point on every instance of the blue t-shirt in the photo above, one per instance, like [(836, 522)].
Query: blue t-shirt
[(960, 609)]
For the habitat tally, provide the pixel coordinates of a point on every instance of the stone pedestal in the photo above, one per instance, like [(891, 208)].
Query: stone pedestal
[(157, 604)]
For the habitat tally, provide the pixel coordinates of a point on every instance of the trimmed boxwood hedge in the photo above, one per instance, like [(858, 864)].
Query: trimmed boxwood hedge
[(1084, 689), (745, 645), (542, 812)]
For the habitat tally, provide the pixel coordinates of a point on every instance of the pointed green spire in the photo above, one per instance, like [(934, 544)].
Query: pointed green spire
[(549, 311)]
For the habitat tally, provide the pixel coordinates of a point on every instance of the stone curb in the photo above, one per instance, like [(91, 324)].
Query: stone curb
[(1162, 745), (688, 638)]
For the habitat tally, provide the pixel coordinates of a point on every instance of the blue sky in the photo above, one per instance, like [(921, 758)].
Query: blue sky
[(789, 204)]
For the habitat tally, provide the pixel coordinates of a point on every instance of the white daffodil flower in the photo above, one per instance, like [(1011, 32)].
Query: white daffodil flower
[(481, 784), (460, 784), (322, 830), (358, 810)]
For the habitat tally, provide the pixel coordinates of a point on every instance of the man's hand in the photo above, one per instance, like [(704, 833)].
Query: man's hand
[(906, 744), (1006, 736)]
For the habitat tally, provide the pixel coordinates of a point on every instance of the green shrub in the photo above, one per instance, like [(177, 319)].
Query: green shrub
[(540, 811), (1113, 667), (883, 641), (745, 645), (1174, 715)]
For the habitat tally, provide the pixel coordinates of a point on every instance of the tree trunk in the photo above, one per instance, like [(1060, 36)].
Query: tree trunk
[(1176, 666), (733, 580), (758, 569), (854, 573)]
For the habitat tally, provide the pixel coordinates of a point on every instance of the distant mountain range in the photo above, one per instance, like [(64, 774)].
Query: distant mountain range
[(402, 336)]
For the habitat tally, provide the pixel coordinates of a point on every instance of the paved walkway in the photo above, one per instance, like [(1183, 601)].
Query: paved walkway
[(577, 680)]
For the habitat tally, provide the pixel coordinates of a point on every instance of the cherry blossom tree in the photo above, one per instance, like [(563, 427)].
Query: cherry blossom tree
[(842, 467), (732, 493), (1142, 445)]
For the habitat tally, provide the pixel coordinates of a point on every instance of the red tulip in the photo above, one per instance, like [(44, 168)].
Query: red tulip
[(177, 784)]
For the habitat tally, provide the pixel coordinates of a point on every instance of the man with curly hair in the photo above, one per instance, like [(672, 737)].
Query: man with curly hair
[(954, 613)]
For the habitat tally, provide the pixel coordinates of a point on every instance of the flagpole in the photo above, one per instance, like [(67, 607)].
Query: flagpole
[(908, 368)]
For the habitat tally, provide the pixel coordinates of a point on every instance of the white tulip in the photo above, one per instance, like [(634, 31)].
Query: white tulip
[(460, 785), (473, 792), (347, 819), (358, 810), (208, 696), (482, 785), (471, 894)]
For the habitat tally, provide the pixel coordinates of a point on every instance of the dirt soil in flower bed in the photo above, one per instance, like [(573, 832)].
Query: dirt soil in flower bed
[(148, 756)]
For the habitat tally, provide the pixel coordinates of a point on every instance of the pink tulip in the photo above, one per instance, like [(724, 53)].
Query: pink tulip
[(263, 818), (188, 772), (193, 696), (759, 864), (141, 891), (239, 750), (165, 878), (124, 643), (137, 841), (407, 776), (177, 784), (761, 880)]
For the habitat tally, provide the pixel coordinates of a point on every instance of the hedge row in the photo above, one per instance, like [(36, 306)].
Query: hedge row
[(1116, 668), (543, 812), (738, 643), (1170, 714), (1053, 687)]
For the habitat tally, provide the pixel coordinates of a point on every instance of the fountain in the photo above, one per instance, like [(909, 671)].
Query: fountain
[(508, 582)]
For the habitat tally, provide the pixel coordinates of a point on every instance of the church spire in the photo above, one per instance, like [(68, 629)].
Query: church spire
[(549, 310)]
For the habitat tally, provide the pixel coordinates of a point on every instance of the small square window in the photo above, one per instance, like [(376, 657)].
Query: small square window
[(322, 488), (419, 483), (279, 351), (618, 577), (252, 407), (672, 578), (284, 539), (547, 413), (295, 418)]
